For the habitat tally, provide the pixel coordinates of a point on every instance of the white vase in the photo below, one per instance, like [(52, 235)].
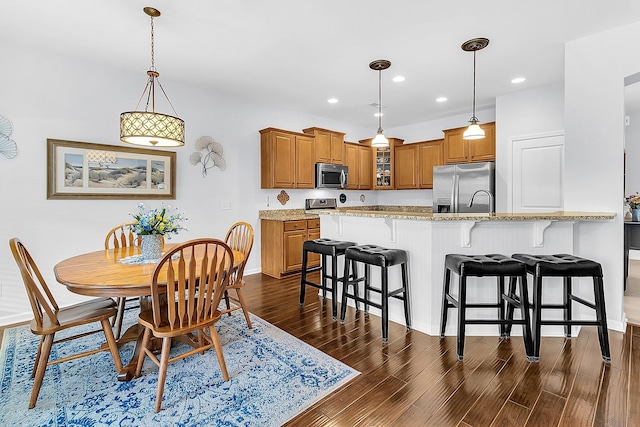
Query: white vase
[(151, 246)]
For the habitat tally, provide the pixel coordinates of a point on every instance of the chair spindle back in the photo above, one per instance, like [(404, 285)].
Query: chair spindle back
[(240, 238), (195, 283), (120, 236), (42, 302)]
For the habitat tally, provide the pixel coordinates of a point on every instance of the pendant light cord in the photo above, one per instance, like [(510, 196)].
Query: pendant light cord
[(154, 77), (474, 118), (152, 96), (379, 101), (153, 59)]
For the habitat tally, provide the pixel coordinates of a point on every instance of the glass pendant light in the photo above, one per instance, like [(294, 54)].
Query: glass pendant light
[(474, 131), (149, 127), (380, 140)]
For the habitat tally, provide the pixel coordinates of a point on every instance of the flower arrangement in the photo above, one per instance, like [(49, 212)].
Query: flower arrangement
[(633, 201), (160, 222)]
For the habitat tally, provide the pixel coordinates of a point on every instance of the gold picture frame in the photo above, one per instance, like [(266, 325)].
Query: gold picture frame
[(85, 170)]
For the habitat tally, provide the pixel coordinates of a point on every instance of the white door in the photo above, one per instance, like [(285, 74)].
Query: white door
[(538, 173)]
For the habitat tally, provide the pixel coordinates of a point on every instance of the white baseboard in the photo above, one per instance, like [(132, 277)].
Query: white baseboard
[(16, 318)]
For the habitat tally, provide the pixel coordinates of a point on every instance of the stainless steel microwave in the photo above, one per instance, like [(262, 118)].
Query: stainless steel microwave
[(331, 176)]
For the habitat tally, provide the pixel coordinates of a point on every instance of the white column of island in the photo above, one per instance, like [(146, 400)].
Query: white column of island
[(428, 237)]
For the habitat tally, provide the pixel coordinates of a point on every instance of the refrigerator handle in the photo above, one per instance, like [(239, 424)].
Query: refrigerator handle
[(454, 195)]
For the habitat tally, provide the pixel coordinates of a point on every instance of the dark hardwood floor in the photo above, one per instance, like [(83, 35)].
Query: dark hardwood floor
[(415, 379)]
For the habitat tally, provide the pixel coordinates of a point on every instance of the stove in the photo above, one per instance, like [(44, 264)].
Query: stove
[(320, 204)]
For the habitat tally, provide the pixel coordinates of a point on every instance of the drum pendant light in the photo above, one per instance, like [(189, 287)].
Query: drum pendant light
[(381, 64), (149, 127), (474, 131)]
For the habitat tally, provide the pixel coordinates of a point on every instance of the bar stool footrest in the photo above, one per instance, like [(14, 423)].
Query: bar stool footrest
[(583, 302)]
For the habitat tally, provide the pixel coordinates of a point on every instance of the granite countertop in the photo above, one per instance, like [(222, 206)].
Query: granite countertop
[(286, 214), (424, 213)]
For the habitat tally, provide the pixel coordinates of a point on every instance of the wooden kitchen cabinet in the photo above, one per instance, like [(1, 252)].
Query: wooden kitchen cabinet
[(407, 163), (383, 164), (287, 159), (305, 162), (357, 158), (414, 164), (365, 173), (431, 154), (458, 150), (329, 145), (281, 245)]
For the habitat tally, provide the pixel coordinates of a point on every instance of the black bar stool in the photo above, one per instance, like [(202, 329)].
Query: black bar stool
[(490, 265), (384, 258), (566, 266), (324, 247)]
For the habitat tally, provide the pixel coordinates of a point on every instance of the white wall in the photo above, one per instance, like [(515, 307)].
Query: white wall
[(49, 96), (528, 112), (595, 68)]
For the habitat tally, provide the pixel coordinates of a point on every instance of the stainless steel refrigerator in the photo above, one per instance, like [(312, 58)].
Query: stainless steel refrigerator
[(455, 185)]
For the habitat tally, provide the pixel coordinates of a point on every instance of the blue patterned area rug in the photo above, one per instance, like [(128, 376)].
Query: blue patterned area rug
[(273, 377)]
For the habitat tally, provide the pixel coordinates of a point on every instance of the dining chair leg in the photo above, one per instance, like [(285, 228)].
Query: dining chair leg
[(114, 319), (42, 366), (201, 339), (37, 360), (143, 351), (162, 371), (111, 342), (226, 301), (117, 319), (244, 307), (218, 348)]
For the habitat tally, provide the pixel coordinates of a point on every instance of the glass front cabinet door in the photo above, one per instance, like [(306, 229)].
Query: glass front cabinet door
[(383, 164)]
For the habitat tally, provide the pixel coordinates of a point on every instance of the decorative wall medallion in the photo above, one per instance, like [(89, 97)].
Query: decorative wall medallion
[(212, 154), (283, 197), (362, 198), (8, 146)]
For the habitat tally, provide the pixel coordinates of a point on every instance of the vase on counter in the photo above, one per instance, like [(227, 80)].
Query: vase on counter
[(635, 215), (151, 246)]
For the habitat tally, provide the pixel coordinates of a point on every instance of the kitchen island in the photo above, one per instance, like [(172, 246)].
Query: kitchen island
[(428, 237)]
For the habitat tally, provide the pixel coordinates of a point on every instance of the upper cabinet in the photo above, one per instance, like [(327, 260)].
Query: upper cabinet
[(358, 158), (383, 160), (407, 167), (287, 159), (431, 154), (329, 145), (414, 164), (458, 150), (305, 162)]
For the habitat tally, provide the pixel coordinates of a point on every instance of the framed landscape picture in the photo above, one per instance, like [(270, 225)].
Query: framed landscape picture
[(83, 170)]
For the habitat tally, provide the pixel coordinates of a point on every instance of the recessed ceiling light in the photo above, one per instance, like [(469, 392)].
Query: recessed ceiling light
[(518, 80), (441, 99), (398, 79), (332, 100)]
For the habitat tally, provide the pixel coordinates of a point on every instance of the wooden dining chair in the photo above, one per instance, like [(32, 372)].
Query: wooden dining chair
[(239, 238), (187, 286), (48, 318), (121, 236)]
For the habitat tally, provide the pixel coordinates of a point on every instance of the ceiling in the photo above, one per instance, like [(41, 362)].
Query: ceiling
[(297, 54)]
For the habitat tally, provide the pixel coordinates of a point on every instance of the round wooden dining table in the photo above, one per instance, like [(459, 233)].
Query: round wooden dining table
[(102, 274)]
